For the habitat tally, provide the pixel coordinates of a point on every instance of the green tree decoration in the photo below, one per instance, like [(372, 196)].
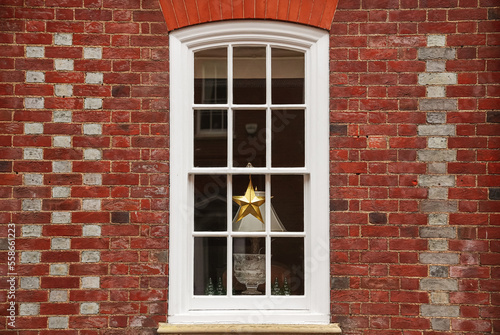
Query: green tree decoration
[(286, 289), (276, 288), (209, 290), (220, 288)]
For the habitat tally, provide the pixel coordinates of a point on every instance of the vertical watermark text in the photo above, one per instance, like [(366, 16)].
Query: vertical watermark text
[(11, 276)]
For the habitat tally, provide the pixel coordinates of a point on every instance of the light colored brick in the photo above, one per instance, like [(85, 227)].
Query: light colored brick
[(91, 230), (61, 217), (30, 257), (438, 193), (33, 179), (435, 104), (64, 64), (91, 282), (31, 231), (436, 40), (34, 103), (437, 232), (94, 78), (438, 258), (30, 283), (33, 128), (63, 39), (91, 256), (440, 297), (92, 179), (436, 53), (430, 180), (89, 308), (438, 245), (436, 168), (58, 296), (439, 311), (61, 167), (58, 270), (439, 271), (60, 243), (438, 219), (435, 92), (92, 53), (440, 324), (445, 78), (29, 309), (92, 154), (32, 205), (93, 103), (437, 142), (62, 141), (91, 204), (92, 129), (63, 116), (436, 117), (61, 192), (35, 77), (438, 284), (435, 66), (35, 52), (440, 206), (63, 90), (58, 322), (33, 153), (437, 155)]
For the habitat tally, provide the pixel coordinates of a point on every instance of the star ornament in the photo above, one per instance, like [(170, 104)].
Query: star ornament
[(249, 203)]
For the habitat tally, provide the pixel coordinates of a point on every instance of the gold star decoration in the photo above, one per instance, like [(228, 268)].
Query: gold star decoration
[(249, 203)]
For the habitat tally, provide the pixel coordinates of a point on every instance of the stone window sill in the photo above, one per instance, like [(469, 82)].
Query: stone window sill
[(275, 329)]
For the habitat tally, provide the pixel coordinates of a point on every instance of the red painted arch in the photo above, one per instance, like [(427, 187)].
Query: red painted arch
[(183, 13)]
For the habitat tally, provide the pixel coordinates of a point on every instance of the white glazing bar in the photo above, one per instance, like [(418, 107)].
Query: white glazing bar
[(268, 238), (229, 261), (268, 109), (230, 115), (246, 171)]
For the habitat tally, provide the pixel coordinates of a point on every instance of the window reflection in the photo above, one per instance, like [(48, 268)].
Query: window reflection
[(210, 76), (287, 76), (288, 138), (249, 71), (210, 203), (249, 140), (210, 265)]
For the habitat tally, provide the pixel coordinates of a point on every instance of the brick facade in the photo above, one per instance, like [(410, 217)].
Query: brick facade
[(415, 184)]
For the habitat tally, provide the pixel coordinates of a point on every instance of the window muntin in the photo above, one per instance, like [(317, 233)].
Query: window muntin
[(308, 301)]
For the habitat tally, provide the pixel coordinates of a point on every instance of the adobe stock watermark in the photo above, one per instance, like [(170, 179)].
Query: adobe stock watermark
[(11, 273)]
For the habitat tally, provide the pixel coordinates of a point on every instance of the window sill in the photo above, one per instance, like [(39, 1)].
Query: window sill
[(166, 328)]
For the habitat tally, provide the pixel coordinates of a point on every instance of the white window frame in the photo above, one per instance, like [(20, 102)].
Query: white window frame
[(314, 306)]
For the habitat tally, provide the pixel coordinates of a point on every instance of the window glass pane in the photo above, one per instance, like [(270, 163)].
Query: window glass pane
[(287, 203), (287, 76), (249, 266), (210, 76), (288, 138), (249, 75), (249, 138), (248, 203), (210, 265), (210, 138), (287, 266), (210, 203)]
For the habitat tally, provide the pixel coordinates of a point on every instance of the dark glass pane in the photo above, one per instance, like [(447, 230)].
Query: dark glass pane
[(210, 265), (287, 203), (249, 75), (249, 138), (210, 138), (287, 266), (210, 76), (288, 138), (210, 203), (249, 266), (287, 76)]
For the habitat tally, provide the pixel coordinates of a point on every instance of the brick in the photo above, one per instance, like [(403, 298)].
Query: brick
[(437, 284), (439, 311)]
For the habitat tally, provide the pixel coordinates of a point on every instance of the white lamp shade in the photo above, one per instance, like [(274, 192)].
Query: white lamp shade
[(251, 223)]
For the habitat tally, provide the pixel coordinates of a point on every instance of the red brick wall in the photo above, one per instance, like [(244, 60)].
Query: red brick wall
[(414, 166)]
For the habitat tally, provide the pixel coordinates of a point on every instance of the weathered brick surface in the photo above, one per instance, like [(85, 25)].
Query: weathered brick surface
[(415, 191)]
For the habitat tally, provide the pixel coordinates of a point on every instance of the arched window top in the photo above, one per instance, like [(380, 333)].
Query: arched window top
[(184, 13)]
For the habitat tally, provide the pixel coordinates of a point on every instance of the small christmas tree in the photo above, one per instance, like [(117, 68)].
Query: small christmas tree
[(286, 289), (209, 290), (220, 288), (276, 288)]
